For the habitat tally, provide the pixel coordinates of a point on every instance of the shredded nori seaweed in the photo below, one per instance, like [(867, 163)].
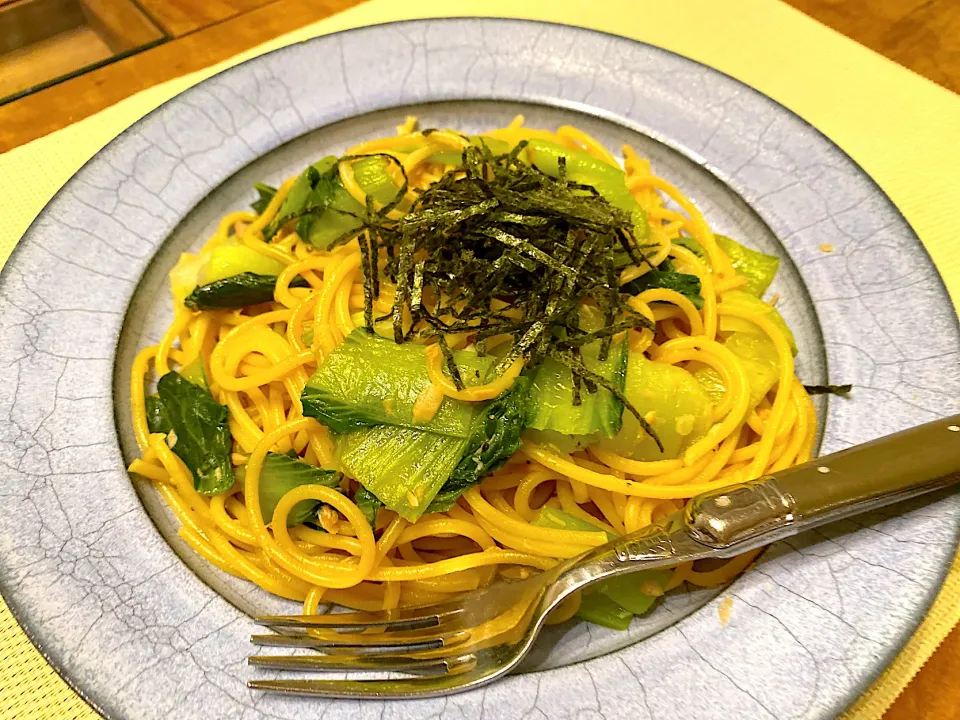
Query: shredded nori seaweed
[(497, 247), (841, 390)]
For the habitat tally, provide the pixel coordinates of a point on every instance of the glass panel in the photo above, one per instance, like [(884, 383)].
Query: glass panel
[(45, 41)]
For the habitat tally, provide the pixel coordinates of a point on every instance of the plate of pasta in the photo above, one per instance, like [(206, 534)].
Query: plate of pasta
[(368, 335)]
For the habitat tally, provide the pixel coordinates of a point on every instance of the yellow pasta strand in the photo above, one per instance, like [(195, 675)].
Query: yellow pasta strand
[(259, 359)]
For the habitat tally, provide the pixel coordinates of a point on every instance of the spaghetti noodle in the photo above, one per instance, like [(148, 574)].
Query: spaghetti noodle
[(258, 359)]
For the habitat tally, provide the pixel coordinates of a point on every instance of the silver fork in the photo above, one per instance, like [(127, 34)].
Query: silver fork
[(473, 640)]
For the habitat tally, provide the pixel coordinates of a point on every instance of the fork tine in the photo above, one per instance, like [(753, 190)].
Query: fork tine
[(349, 663), (411, 618), (364, 644), (430, 686), (349, 621)]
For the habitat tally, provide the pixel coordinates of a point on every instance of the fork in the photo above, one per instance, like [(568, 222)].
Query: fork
[(473, 640)]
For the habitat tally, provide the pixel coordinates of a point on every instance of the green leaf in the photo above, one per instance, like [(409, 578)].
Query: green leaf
[(396, 463), (404, 468), (307, 337), (283, 473), (742, 300), (759, 269), (711, 382), (371, 175), (304, 224), (665, 276), (760, 361), (368, 503), (310, 191), (581, 167), (630, 591), (369, 380), (552, 395), (196, 373), (228, 260), (157, 420), (265, 193), (690, 244), (199, 433), (494, 438), (597, 608), (680, 410), (322, 228), (556, 519), (236, 292), (323, 208), (627, 593)]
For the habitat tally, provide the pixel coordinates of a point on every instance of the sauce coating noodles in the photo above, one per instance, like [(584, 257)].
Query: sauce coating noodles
[(257, 363)]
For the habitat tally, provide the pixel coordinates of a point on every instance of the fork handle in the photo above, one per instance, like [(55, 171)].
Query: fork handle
[(738, 518), (852, 481)]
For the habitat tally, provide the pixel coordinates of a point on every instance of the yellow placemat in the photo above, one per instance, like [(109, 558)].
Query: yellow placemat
[(901, 128)]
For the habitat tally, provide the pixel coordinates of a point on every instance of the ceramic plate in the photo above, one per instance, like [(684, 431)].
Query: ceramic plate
[(90, 562)]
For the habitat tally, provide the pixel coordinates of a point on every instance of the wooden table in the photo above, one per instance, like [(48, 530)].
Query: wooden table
[(922, 35)]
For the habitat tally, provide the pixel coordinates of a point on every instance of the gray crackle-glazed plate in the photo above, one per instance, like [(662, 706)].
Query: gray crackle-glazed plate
[(90, 563)]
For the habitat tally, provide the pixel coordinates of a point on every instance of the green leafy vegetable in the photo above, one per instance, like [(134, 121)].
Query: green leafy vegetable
[(404, 468), (760, 360), (558, 404), (741, 300), (157, 420), (368, 503), (673, 401), (341, 215), (322, 208), (597, 608), (196, 373), (371, 174), (199, 433), (413, 471), (556, 519), (312, 190), (235, 292), (307, 337), (758, 268), (231, 259), (841, 390), (666, 276), (265, 194), (636, 592), (499, 232), (283, 473), (582, 168), (690, 244), (494, 438), (369, 380)]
